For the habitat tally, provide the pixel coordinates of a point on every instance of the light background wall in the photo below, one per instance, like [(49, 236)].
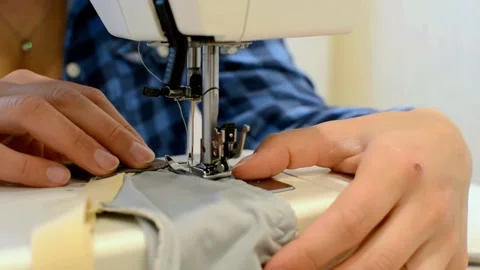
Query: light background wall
[(404, 52)]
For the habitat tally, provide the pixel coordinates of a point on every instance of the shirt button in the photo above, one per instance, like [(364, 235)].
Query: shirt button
[(73, 70), (163, 51)]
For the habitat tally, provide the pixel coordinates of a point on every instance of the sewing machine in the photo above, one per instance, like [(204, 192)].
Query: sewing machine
[(197, 32)]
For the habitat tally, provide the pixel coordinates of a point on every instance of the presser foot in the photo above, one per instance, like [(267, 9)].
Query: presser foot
[(225, 146), (201, 170), (212, 172), (224, 149)]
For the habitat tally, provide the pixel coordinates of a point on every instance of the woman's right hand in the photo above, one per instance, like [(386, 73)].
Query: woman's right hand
[(45, 123)]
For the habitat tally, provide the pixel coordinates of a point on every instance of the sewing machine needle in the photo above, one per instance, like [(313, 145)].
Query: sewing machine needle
[(193, 105)]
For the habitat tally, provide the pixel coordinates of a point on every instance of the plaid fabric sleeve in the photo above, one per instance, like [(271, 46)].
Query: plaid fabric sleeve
[(262, 87)]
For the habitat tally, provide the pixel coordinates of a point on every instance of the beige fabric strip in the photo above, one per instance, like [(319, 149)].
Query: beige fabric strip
[(66, 242), (105, 190)]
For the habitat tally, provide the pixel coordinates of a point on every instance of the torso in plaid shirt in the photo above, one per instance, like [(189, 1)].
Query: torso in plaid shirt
[(260, 86)]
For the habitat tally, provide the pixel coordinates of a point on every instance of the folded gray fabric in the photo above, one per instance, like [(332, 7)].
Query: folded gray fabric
[(203, 224), (81, 174)]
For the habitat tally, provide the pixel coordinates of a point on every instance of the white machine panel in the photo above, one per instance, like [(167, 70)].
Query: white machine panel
[(223, 19), (230, 20), (299, 18), (130, 19)]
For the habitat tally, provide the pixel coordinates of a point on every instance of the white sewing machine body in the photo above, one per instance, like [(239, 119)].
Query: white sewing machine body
[(229, 20)]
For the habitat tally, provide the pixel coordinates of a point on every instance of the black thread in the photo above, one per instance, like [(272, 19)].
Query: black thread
[(210, 89)]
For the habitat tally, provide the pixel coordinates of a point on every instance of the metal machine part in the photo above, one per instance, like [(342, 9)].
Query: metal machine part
[(268, 184), (201, 57)]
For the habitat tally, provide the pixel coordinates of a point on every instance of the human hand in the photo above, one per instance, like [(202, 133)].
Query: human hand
[(407, 204), (45, 122)]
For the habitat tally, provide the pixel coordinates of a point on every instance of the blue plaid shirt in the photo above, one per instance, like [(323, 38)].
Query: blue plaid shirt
[(260, 86)]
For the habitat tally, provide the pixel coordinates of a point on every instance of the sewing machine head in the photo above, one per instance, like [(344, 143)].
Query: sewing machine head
[(197, 31)]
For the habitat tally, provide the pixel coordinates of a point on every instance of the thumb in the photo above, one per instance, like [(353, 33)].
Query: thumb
[(23, 76), (321, 145)]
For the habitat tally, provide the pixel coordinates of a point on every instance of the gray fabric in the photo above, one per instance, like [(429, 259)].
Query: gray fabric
[(204, 224), (80, 174), (151, 237)]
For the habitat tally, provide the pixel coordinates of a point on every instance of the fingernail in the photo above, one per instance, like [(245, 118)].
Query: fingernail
[(244, 160), (106, 160), (141, 153), (58, 175)]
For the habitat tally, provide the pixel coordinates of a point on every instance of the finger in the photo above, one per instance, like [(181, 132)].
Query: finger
[(458, 261), (54, 156), (102, 127), (313, 146), (29, 114), (101, 101), (20, 144), (37, 149), (395, 241), (433, 255), (28, 77), (31, 171), (28, 145), (4, 138), (349, 165), (23, 76), (447, 248), (353, 215)]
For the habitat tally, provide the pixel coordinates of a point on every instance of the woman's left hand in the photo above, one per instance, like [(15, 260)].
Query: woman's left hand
[(407, 204)]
